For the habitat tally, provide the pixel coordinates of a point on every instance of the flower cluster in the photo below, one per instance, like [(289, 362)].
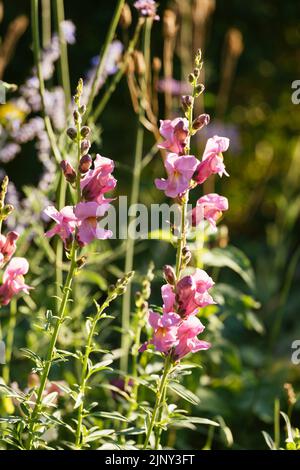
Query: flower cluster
[(175, 331), (147, 8), (80, 222), (13, 277)]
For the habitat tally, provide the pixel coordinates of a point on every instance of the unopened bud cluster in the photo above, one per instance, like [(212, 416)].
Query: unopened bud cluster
[(120, 287), (5, 209), (79, 135)]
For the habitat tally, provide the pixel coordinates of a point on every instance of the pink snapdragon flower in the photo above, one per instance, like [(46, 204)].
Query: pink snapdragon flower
[(88, 229), (212, 160), (98, 181), (13, 280), (192, 293), (165, 330), (209, 207), (188, 342), (180, 170), (175, 134), (169, 297), (7, 247), (147, 8), (66, 222)]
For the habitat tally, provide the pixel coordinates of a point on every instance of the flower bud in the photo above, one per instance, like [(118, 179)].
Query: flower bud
[(139, 62), (196, 72), (191, 78), (85, 146), (156, 64), (6, 211), (81, 261), (72, 133), (126, 17), (85, 163), (201, 121), (76, 116), (169, 24), (186, 255), (85, 130), (199, 89), (68, 171), (82, 109), (187, 102), (169, 274)]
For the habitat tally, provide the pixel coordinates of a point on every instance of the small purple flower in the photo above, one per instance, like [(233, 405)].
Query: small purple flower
[(147, 8)]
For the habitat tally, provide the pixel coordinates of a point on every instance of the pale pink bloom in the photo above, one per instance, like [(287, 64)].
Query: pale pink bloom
[(180, 170), (209, 207), (98, 181), (165, 330), (187, 338), (13, 280), (175, 134), (147, 8), (88, 229), (212, 160), (65, 222), (7, 247), (192, 293)]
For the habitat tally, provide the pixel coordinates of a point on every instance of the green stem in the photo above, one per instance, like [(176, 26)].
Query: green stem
[(117, 77), (63, 69), (159, 397), (37, 59), (83, 380), (103, 54), (51, 349), (277, 423), (10, 339), (46, 23), (125, 340)]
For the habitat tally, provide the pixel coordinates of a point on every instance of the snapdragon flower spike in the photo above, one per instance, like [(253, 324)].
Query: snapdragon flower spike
[(87, 214), (13, 280), (209, 207), (175, 133), (7, 247), (187, 341), (66, 222), (212, 160), (147, 8), (180, 170), (99, 180), (192, 293)]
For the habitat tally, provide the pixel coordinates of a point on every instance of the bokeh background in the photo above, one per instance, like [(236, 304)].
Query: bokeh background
[(251, 53)]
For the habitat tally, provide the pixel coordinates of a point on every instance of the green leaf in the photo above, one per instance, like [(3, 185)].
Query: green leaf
[(184, 393), (93, 278), (232, 258), (93, 436), (113, 416)]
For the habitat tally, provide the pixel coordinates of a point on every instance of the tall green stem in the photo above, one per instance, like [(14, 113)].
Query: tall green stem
[(103, 54), (63, 70), (83, 380), (10, 339), (159, 398), (38, 65), (46, 23), (51, 349)]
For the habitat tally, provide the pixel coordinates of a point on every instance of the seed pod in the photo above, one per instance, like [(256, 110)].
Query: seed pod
[(76, 116), (191, 78)]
